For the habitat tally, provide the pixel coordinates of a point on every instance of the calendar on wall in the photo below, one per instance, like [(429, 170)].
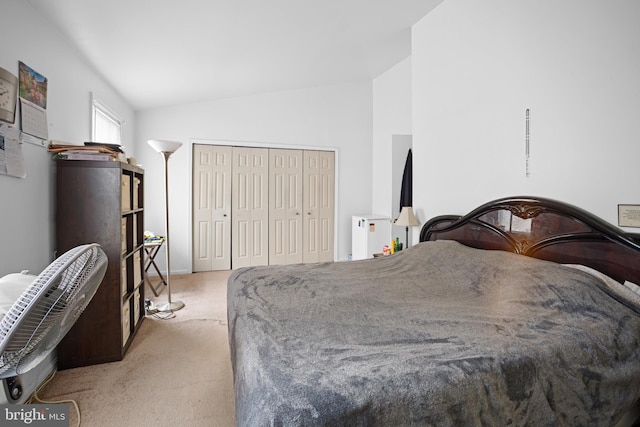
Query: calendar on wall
[(34, 119), (33, 102)]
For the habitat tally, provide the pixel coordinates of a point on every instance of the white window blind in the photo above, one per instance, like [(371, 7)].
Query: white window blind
[(105, 125)]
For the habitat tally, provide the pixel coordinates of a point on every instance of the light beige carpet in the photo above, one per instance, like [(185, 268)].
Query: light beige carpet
[(177, 372)]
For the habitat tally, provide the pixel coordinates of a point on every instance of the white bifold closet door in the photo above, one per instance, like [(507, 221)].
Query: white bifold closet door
[(285, 206), (318, 203), (250, 207), (211, 207), (260, 206)]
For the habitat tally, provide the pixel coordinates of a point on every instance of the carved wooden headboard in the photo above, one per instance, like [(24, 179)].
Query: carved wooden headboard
[(545, 229)]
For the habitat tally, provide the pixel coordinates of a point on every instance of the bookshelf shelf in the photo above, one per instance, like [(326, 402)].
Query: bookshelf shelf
[(103, 202)]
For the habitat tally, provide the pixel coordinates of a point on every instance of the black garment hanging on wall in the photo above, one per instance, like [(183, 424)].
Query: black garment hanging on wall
[(406, 191)]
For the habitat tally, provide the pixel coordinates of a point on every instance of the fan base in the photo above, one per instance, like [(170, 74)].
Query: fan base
[(170, 306), (18, 388)]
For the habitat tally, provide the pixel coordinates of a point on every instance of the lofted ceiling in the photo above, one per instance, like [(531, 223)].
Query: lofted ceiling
[(159, 52)]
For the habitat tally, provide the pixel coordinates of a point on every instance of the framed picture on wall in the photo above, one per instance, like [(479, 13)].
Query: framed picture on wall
[(629, 216)]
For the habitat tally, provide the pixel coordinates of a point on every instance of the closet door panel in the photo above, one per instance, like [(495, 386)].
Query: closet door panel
[(285, 206), (310, 202), (241, 209), (212, 208), (201, 212), (250, 207), (326, 214), (318, 200)]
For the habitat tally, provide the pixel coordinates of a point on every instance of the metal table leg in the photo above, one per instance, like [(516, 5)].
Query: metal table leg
[(151, 250)]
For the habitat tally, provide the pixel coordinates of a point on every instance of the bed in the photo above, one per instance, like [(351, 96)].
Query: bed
[(522, 312)]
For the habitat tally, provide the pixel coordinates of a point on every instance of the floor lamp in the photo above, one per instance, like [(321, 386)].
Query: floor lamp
[(167, 148), (406, 219)]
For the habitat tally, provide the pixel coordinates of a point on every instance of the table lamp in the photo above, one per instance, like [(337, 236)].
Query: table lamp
[(406, 219)]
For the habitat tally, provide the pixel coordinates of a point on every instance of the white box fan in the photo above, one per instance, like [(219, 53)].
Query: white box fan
[(41, 315)]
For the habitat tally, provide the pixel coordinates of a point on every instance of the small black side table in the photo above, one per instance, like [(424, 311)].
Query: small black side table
[(151, 247)]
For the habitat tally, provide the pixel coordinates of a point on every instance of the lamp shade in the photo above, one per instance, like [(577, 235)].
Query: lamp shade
[(164, 146), (407, 218)]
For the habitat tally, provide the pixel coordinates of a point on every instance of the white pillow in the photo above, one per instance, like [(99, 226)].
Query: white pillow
[(629, 290), (11, 287), (635, 288)]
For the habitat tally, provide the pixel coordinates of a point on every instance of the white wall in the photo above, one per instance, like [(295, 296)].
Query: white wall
[(27, 217), (391, 116), (337, 116), (477, 66)]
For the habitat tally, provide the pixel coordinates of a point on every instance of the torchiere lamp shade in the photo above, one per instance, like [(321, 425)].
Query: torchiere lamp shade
[(164, 146)]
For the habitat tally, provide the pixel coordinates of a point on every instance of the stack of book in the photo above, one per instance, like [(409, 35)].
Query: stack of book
[(153, 240), (89, 151)]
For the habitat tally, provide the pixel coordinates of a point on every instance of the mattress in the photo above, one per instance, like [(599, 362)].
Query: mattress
[(439, 334)]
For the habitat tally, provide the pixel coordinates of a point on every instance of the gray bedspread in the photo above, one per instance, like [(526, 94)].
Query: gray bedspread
[(439, 334)]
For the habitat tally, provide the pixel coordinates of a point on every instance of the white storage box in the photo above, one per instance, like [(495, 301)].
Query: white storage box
[(126, 322)]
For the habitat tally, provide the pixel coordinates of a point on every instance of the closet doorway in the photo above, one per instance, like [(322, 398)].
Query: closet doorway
[(261, 206)]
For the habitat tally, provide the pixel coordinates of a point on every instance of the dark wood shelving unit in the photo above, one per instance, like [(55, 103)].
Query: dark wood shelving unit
[(103, 202)]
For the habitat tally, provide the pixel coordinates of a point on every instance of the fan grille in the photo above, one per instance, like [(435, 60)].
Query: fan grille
[(45, 312)]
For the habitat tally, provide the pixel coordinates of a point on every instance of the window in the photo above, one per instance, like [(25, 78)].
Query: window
[(105, 126)]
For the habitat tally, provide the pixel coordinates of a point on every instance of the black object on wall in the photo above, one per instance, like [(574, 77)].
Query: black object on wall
[(406, 191)]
